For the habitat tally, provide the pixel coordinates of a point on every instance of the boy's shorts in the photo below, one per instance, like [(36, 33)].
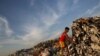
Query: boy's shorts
[(62, 45)]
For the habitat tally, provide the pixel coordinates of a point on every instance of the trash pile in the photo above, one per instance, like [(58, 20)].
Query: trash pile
[(86, 32), (86, 41)]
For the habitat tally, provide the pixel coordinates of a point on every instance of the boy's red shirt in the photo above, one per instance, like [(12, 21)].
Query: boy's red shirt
[(64, 36)]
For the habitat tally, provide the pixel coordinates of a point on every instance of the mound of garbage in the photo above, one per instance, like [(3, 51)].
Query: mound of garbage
[(87, 36), (86, 41)]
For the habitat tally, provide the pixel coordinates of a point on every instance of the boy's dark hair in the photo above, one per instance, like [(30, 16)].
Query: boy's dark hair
[(67, 28)]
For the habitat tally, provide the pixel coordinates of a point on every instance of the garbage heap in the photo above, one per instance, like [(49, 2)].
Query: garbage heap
[(86, 33), (86, 41)]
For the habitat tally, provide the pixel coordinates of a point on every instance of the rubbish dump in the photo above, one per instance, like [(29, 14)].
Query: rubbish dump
[(86, 41), (87, 36)]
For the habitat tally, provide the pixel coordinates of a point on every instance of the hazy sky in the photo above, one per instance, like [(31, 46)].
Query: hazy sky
[(24, 23)]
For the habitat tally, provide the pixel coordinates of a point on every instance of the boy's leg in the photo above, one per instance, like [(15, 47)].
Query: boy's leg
[(68, 51), (62, 47), (66, 45)]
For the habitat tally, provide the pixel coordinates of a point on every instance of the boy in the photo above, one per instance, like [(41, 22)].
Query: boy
[(64, 36)]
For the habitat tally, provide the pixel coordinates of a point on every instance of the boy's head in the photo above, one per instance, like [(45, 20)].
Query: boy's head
[(66, 29)]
